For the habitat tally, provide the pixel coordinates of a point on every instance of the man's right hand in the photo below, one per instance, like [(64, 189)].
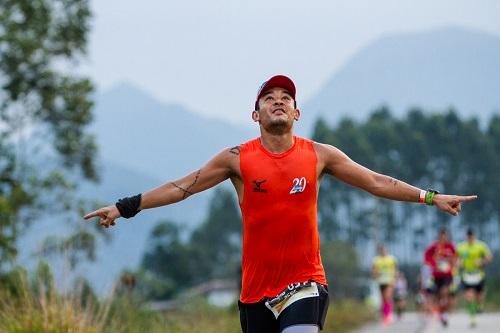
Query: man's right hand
[(107, 215)]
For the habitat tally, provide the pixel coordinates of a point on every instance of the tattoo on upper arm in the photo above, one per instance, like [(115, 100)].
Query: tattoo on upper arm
[(235, 150), (187, 190), (394, 182)]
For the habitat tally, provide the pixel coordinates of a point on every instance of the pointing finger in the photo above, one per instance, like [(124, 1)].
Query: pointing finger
[(91, 215), (467, 198)]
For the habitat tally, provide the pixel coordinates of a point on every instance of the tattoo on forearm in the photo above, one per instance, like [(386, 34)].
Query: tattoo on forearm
[(194, 182), (186, 192), (235, 150), (394, 182)]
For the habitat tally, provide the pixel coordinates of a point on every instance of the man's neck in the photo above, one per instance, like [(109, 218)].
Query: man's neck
[(277, 143)]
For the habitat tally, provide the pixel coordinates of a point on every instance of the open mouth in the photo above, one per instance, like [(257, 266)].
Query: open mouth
[(278, 110)]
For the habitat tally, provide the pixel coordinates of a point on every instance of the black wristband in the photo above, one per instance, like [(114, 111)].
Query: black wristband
[(129, 206)]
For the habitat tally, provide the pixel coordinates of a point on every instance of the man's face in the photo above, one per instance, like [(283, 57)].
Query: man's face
[(276, 111), (470, 238), (443, 237)]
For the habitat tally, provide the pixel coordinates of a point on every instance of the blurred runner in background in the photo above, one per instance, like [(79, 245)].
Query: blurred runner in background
[(473, 255), (384, 273), (441, 256), (425, 288)]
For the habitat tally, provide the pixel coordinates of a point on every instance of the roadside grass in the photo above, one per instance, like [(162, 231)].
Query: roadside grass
[(35, 306), (24, 309), (345, 315)]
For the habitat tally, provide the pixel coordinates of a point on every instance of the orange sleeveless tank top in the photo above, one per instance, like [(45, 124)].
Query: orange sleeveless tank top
[(279, 211)]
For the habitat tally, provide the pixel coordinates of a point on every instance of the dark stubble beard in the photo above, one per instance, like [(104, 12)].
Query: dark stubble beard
[(279, 127)]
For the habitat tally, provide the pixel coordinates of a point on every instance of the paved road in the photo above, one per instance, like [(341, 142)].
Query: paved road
[(418, 323)]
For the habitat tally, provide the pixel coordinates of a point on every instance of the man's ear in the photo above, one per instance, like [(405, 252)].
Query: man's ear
[(297, 114), (256, 116)]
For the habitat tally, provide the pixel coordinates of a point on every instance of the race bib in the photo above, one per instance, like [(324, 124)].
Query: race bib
[(443, 266), (385, 278), (290, 295), (472, 278)]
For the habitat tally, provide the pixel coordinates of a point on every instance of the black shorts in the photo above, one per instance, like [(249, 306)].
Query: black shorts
[(441, 282), (478, 287), (383, 287), (257, 318)]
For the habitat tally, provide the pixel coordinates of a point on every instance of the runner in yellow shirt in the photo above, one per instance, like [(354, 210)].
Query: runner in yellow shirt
[(384, 270), (473, 256)]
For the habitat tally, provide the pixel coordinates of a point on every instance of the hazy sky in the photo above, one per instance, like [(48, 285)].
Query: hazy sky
[(211, 56)]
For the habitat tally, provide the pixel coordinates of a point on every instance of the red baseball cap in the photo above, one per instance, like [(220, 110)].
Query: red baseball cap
[(281, 81)]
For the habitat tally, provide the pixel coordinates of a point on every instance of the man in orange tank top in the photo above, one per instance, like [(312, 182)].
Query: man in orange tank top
[(277, 178)]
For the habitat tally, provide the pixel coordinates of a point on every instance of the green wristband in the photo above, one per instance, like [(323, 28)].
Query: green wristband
[(429, 196)]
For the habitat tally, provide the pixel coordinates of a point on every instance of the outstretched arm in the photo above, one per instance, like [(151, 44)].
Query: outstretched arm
[(218, 169), (336, 163), (214, 172)]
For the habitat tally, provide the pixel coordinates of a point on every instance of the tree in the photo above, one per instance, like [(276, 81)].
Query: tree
[(167, 264), (216, 243), (213, 251), (343, 269), (437, 150), (44, 110)]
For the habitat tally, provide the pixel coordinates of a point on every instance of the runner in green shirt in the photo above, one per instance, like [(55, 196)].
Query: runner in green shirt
[(473, 256), (384, 270)]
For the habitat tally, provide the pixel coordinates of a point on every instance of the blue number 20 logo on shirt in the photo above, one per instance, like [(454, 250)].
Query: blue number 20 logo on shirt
[(299, 185)]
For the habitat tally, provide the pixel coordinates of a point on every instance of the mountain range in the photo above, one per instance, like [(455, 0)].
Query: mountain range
[(434, 70)]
